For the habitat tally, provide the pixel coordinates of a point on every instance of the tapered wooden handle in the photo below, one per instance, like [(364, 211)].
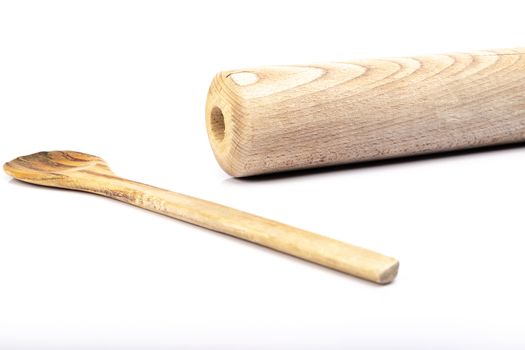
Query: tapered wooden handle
[(306, 245), (271, 119)]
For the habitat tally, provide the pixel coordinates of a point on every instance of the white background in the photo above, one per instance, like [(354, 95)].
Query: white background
[(128, 80)]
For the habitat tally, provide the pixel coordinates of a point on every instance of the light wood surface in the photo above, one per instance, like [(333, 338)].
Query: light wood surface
[(83, 172), (272, 119)]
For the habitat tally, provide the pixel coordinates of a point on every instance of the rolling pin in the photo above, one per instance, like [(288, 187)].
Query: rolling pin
[(281, 118)]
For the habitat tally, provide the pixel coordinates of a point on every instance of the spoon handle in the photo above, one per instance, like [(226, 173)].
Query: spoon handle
[(306, 245)]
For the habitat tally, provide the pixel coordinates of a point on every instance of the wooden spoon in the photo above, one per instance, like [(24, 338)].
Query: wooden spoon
[(84, 172)]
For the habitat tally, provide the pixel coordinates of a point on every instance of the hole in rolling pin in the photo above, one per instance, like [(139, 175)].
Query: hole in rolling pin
[(217, 124)]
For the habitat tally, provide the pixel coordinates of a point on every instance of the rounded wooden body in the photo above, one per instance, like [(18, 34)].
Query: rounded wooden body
[(283, 118)]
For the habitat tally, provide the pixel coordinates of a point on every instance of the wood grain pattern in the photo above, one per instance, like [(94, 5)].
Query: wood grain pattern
[(84, 172), (274, 119)]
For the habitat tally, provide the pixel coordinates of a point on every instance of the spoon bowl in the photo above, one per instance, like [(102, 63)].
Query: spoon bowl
[(55, 168)]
